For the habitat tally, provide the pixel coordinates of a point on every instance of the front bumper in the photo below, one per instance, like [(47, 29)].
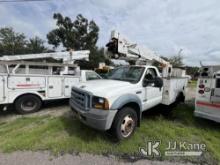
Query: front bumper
[(95, 118)]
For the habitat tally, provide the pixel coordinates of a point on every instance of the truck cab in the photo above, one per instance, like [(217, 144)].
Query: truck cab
[(118, 102)]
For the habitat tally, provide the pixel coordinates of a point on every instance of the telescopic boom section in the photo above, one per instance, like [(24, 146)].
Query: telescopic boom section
[(121, 48)]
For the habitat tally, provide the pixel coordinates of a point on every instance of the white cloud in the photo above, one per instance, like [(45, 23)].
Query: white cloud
[(162, 25)]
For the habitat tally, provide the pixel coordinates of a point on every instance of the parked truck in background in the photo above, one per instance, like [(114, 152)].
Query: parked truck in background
[(118, 103), (27, 84), (207, 102)]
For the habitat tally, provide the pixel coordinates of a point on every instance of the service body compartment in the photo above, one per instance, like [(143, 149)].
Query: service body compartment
[(55, 87), (68, 83), (172, 88), (26, 82)]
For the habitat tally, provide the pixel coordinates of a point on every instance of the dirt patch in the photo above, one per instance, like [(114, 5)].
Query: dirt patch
[(55, 109), (45, 158)]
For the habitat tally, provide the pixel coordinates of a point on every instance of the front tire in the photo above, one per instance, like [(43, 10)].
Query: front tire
[(28, 104), (125, 123)]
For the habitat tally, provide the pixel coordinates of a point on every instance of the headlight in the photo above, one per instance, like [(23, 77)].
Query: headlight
[(100, 103)]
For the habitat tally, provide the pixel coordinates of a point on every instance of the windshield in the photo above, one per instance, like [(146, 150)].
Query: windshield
[(130, 73), (92, 76)]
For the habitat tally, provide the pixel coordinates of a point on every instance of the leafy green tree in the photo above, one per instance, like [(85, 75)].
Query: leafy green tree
[(176, 61), (192, 70), (97, 56), (36, 45), (11, 42), (80, 34)]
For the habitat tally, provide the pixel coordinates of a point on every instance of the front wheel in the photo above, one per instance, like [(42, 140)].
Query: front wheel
[(28, 104), (125, 123)]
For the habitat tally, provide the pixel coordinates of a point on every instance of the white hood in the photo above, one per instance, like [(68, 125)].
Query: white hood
[(104, 88)]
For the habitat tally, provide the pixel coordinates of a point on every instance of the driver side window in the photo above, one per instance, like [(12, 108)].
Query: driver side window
[(150, 76), (92, 76)]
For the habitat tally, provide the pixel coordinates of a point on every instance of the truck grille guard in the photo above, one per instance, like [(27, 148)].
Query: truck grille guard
[(81, 99)]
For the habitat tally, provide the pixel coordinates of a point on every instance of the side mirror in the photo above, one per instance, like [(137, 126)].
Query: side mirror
[(158, 82), (148, 82)]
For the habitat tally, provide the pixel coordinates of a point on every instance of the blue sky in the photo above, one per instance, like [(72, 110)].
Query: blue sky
[(165, 26)]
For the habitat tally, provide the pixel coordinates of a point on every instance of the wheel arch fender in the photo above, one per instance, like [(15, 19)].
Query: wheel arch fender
[(29, 93), (130, 100)]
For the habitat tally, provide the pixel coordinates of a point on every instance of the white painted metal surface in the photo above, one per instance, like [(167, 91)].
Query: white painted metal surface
[(67, 57), (172, 87), (1, 89), (68, 83), (55, 87), (207, 103), (130, 50), (26, 82)]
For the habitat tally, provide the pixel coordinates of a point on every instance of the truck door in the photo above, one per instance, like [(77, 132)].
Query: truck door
[(153, 95), (55, 87), (216, 91), (2, 92)]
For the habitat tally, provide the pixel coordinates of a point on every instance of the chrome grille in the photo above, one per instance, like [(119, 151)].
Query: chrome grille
[(80, 99)]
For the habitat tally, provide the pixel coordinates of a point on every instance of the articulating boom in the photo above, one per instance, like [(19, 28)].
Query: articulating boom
[(121, 48)]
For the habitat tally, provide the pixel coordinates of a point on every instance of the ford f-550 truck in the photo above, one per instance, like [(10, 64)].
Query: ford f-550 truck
[(118, 103)]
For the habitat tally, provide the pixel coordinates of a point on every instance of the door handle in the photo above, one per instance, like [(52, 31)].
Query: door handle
[(50, 87), (138, 92), (67, 86)]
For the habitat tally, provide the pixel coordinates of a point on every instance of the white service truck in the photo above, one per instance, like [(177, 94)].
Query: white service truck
[(118, 102), (207, 102), (27, 84)]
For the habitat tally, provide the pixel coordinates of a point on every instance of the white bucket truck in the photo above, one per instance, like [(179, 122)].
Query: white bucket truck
[(27, 83), (118, 103)]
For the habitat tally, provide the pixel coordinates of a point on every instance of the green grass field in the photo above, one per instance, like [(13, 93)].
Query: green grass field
[(65, 134)]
